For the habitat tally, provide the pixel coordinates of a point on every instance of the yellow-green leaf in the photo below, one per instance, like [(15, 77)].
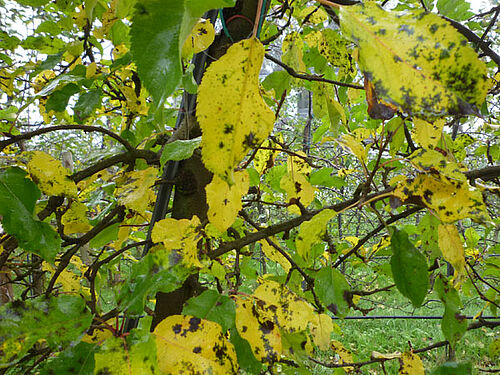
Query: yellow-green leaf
[(316, 15), (49, 174), (411, 364), (261, 332), (451, 246), (298, 164), (232, 114), (136, 193), (325, 104), (292, 52), (275, 255), (427, 134), (312, 231), (181, 236), (189, 345), (355, 146), (224, 200), (264, 159), (416, 60), (75, 219), (321, 331), (200, 39)]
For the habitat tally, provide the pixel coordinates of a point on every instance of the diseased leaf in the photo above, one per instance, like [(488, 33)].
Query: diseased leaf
[(157, 35), (416, 60), (135, 354), (411, 364), (427, 134), (224, 200), (49, 174), (232, 115), (18, 196), (275, 255), (333, 290), (260, 331), (264, 159), (297, 187), (58, 320), (312, 231), (451, 246), (181, 237), (187, 344), (136, 192), (212, 306), (344, 354), (200, 38), (288, 310), (409, 268), (246, 359)]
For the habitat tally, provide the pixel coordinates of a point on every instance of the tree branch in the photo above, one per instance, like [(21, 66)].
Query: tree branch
[(85, 128)]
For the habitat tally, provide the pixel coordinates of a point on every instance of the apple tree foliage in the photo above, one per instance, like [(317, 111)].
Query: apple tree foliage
[(306, 143)]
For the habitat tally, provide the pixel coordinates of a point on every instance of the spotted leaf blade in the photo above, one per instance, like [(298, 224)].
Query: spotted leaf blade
[(232, 114), (416, 60), (186, 344)]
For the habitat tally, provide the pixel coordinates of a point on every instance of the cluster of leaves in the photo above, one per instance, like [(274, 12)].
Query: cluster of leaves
[(396, 159)]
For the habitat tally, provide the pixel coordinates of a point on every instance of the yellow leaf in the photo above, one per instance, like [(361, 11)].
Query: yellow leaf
[(75, 219), (416, 60), (136, 192), (355, 146), (232, 114), (427, 134), (181, 236), (189, 345), (298, 164), (135, 104), (264, 159), (290, 312), (100, 334), (344, 354), (312, 231), (377, 355), (317, 15), (275, 255), (224, 201), (261, 333), (50, 176), (451, 246), (321, 331), (69, 280), (200, 39), (296, 186), (123, 234), (450, 200), (411, 364)]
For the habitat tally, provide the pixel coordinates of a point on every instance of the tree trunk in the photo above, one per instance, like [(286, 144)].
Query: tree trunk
[(192, 176)]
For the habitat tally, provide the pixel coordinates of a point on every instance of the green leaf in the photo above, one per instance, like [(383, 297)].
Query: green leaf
[(58, 321), (279, 81), (79, 357), (105, 236), (18, 196), (332, 289), (86, 104), (60, 98), (453, 324), (159, 270), (456, 9), (323, 177), (134, 355), (417, 61), (453, 368), (409, 268), (212, 306), (159, 29), (179, 150)]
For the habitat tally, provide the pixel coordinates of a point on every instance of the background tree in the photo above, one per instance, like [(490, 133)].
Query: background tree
[(327, 160)]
